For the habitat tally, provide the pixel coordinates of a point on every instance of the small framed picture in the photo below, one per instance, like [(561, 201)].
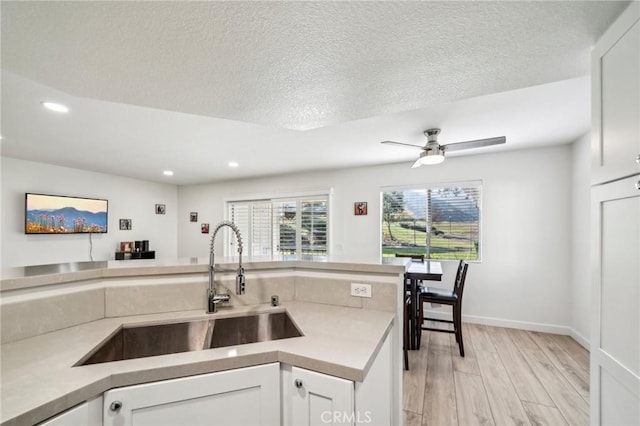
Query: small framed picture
[(193, 217), (360, 208), (125, 224), (204, 228), (126, 246), (161, 208)]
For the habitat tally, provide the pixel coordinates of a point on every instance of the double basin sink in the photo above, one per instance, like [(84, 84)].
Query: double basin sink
[(130, 342)]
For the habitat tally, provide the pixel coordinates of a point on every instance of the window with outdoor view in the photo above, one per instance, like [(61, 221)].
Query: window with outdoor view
[(439, 222), (283, 228)]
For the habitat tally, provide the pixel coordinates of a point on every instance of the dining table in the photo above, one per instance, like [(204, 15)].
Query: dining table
[(427, 270)]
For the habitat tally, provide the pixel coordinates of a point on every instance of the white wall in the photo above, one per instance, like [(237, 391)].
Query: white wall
[(525, 273), (580, 295), (128, 199), (535, 224)]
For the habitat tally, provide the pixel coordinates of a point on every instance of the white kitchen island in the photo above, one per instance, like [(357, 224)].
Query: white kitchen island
[(51, 320)]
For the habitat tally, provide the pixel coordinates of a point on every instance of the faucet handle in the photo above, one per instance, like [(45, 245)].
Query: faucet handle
[(213, 301)]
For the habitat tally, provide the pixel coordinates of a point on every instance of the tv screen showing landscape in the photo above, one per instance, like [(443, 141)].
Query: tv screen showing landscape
[(56, 214)]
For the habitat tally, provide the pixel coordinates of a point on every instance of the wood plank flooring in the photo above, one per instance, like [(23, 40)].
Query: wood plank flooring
[(507, 377)]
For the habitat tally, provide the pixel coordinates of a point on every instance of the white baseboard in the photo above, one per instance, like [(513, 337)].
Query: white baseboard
[(583, 341), (522, 325)]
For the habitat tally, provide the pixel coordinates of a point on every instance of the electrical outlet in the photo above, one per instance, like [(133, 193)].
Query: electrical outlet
[(360, 290)]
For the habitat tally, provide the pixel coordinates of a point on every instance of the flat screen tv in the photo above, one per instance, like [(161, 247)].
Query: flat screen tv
[(58, 214)]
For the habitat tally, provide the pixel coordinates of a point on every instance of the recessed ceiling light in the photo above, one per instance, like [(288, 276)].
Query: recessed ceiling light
[(55, 107), (168, 173), (233, 164)]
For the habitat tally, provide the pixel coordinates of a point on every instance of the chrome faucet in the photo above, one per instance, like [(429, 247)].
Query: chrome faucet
[(212, 297)]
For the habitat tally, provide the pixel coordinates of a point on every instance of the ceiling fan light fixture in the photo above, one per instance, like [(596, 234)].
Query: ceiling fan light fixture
[(431, 157), (53, 106), (433, 152)]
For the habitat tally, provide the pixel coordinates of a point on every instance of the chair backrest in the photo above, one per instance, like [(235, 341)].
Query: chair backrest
[(461, 277), (414, 257), (459, 272)]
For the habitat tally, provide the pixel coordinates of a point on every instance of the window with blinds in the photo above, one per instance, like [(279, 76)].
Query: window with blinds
[(281, 228), (439, 222)]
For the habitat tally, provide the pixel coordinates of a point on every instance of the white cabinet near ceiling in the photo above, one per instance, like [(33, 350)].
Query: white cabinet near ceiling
[(615, 222), (615, 344), (616, 99), (246, 396), (86, 414)]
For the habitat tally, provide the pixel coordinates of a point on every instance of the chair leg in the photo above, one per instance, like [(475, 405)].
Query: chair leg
[(405, 348), (405, 337), (419, 322), (458, 328), (406, 360), (405, 342), (418, 326)]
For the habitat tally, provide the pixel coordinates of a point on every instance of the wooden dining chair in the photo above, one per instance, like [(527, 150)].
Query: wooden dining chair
[(452, 298)]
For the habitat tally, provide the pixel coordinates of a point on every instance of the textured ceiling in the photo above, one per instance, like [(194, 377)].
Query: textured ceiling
[(254, 69)]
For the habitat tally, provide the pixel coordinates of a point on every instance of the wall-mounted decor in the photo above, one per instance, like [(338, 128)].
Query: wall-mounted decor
[(161, 208), (126, 246), (193, 217), (360, 208), (58, 214), (125, 224), (204, 228)]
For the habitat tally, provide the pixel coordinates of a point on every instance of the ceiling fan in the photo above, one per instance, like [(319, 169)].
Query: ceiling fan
[(433, 152)]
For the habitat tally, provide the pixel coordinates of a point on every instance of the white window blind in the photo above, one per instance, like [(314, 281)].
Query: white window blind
[(283, 228), (260, 241), (238, 214), (439, 222), (313, 217)]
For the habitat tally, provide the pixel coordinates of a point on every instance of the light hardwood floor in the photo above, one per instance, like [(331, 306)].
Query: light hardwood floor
[(507, 377)]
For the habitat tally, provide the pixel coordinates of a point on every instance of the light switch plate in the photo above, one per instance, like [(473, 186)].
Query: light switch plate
[(360, 290)]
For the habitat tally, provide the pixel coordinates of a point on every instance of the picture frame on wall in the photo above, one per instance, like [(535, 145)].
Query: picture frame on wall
[(360, 208), (161, 209), (125, 224), (204, 228), (193, 217)]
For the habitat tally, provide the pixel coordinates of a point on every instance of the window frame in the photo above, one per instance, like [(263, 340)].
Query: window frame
[(479, 183), (297, 197)]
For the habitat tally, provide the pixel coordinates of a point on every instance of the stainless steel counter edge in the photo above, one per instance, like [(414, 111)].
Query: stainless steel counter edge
[(37, 385)]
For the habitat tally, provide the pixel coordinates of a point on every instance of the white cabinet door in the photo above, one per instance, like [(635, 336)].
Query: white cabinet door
[(311, 398), (247, 396), (86, 414), (615, 114), (615, 330)]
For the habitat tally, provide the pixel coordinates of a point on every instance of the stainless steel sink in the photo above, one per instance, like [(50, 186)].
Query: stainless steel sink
[(150, 340)]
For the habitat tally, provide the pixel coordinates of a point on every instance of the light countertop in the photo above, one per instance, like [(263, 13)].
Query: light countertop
[(39, 380), (39, 275)]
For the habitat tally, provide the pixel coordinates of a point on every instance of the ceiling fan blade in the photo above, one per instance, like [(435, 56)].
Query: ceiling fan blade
[(402, 144), (416, 164), (479, 143)]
